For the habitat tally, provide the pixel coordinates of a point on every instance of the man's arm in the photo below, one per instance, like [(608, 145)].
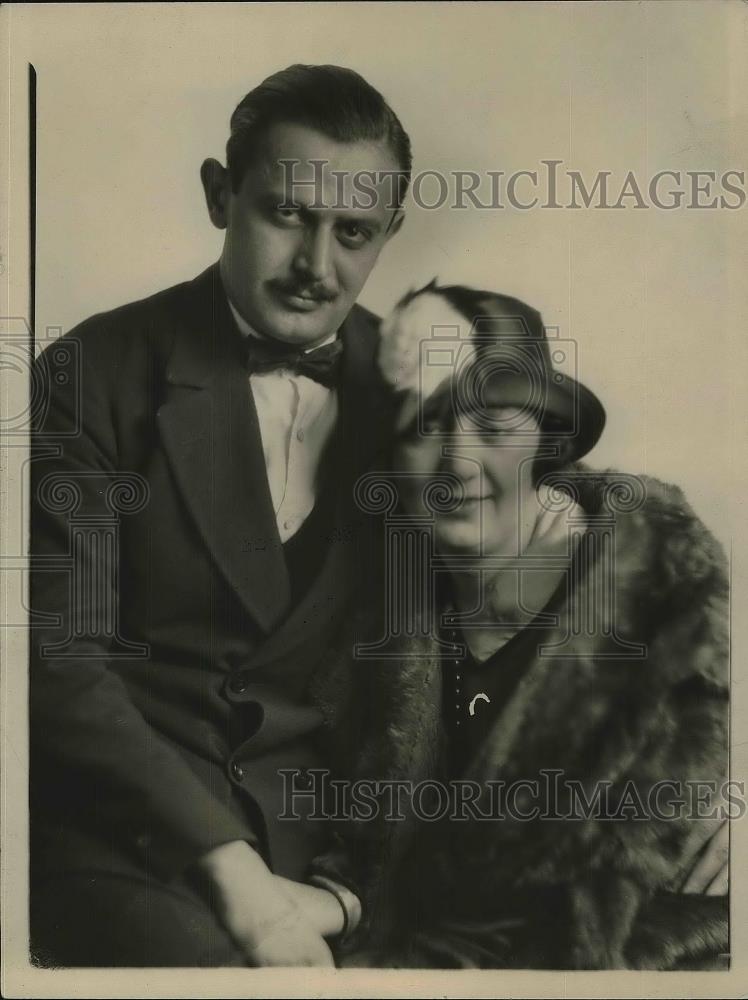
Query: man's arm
[(86, 732)]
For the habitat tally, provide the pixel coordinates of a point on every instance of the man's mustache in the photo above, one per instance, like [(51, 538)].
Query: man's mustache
[(320, 293)]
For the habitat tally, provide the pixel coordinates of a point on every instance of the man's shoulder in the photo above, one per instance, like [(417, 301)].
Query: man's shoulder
[(363, 324), (138, 311), (121, 340), (360, 314)]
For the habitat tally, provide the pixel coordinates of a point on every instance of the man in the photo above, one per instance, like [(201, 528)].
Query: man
[(195, 547)]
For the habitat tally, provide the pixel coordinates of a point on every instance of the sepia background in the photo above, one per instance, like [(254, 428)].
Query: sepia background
[(132, 98)]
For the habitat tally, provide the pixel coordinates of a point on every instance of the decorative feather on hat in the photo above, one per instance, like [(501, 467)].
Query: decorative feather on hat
[(490, 350)]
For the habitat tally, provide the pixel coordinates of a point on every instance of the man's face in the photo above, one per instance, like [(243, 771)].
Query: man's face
[(294, 274)]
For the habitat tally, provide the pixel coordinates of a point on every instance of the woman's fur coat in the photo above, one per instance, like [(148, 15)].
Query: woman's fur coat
[(585, 893)]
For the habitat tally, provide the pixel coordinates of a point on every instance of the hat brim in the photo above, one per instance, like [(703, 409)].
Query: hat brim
[(560, 404)]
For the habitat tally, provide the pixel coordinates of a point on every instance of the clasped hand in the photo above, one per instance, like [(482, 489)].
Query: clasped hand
[(275, 921)]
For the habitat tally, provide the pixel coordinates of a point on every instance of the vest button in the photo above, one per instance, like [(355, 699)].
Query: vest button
[(237, 771), (239, 682)]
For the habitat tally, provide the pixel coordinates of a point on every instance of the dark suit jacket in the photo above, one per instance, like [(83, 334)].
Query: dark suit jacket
[(169, 670)]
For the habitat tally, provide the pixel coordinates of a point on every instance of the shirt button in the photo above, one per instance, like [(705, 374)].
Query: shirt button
[(299, 435), (237, 771), (305, 779)]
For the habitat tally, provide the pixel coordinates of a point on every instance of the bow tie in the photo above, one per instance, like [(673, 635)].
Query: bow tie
[(322, 364)]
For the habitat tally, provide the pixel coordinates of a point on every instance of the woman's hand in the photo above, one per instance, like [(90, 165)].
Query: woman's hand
[(264, 920), (710, 874)]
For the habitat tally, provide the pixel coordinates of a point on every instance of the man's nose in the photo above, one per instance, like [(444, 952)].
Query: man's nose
[(314, 256)]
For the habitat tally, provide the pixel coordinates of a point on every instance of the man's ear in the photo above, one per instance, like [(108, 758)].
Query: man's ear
[(216, 185), (395, 223)]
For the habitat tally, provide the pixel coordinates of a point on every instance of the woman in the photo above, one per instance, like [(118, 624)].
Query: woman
[(561, 683)]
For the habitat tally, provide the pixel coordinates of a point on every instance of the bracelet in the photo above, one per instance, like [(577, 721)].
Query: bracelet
[(349, 902)]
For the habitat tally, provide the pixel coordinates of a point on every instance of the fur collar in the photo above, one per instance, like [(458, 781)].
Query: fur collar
[(638, 698)]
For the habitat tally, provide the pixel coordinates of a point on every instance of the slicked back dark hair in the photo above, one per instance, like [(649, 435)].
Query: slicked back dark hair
[(333, 100)]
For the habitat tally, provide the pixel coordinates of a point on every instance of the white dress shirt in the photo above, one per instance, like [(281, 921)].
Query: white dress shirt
[(297, 416)]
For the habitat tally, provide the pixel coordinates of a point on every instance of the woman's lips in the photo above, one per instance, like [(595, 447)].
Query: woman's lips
[(467, 503)]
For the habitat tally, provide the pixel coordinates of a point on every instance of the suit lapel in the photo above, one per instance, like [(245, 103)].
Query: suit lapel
[(211, 436)]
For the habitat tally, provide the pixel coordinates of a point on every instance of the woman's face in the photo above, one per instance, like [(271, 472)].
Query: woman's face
[(490, 467)]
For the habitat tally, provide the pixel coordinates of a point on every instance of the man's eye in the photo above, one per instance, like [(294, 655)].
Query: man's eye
[(352, 234), (431, 426), (288, 214)]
